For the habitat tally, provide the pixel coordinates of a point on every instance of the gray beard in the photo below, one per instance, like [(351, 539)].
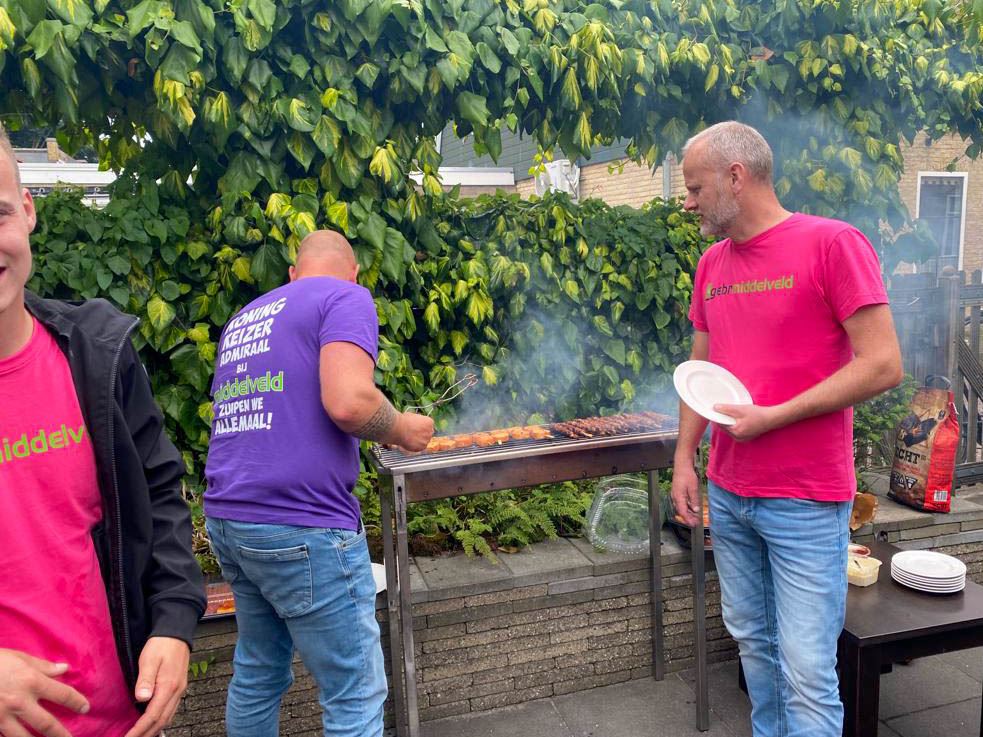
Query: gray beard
[(720, 221)]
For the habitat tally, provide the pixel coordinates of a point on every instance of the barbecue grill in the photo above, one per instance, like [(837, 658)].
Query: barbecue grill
[(405, 479)]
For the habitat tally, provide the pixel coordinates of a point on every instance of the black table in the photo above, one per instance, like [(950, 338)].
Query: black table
[(888, 623)]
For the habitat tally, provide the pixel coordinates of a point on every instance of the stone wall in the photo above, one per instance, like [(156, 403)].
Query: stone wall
[(555, 618)]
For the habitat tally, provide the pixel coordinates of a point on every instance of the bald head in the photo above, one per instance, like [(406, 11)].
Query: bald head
[(325, 253)]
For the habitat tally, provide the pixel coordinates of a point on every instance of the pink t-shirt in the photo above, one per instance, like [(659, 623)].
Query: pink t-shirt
[(773, 308), (52, 600)]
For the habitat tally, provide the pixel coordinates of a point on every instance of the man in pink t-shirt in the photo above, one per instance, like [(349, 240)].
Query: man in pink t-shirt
[(100, 592), (795, 307)]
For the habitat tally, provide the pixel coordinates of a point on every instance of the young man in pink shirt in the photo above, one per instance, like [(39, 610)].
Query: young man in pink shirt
[(795, 307), (100, 592)]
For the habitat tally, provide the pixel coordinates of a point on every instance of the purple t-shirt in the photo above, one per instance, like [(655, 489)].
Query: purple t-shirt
[(275, 455)]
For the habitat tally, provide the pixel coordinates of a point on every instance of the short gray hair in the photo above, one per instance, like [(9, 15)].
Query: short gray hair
[(731, 141), (7, 149)]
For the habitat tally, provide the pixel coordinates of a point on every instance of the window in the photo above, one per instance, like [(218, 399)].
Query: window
[(941, 206)]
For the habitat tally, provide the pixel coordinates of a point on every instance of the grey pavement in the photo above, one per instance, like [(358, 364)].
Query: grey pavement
[(938, 696)]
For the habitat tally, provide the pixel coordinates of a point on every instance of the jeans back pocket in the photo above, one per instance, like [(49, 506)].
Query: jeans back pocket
[(283, 576)]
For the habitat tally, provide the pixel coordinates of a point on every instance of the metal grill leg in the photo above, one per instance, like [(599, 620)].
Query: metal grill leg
[(406, 606), (655, 556), (392, 604), (700, 625)]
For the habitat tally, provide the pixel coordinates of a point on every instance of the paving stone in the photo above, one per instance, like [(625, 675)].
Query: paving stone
[(924, 684), (547, 562), (458, 575), (419, 589), (594, 681), (535, 719), (969, 661), (606, 562), (917, 533), (593, 582), (727, 701), (640, 707), (961, 718), (625, 589)]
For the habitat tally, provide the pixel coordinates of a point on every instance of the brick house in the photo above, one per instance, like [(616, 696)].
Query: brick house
[(951, 202)]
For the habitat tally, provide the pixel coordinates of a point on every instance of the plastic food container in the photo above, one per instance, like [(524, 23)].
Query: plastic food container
[(618, 519), (862, 571)]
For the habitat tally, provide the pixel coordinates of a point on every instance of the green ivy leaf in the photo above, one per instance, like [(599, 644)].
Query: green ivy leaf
[(491, 62), (160, 313), (373, 231), (301, 148), (472, 107)]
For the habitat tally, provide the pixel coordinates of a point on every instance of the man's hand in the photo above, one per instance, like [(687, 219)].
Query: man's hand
[(415, 431), (752, 420), (685, 493), (162, 681), (25, 680)]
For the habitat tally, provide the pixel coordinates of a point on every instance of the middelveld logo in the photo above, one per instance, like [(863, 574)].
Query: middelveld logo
[(755, 286), (43, 441)]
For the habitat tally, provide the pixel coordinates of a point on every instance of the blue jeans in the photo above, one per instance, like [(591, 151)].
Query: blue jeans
[(311, 589), (782, 566)]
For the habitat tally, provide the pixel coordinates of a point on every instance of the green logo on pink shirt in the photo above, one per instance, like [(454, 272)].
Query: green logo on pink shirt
[(40, 442), (754, 286)]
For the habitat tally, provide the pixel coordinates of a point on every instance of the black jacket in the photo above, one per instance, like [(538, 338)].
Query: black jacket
[(153, 582)]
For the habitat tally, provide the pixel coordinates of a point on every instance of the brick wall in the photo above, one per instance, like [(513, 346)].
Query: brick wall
[(480, 651), (619, 182), (936, 157), (506, 634)]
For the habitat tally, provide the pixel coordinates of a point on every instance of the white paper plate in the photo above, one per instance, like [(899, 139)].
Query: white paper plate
[(702, 384), (379, 574), (928, 564)]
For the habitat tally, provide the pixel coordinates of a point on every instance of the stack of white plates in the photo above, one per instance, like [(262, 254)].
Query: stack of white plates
[(924, 570)]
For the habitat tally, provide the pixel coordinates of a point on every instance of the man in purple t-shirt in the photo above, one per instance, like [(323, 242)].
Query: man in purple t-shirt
[(293, 392)]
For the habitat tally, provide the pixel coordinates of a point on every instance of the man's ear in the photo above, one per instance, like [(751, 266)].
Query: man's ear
[(32, 216), (738, 177), (292, 271)]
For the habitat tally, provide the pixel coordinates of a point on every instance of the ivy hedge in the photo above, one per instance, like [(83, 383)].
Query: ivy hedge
[(560, 309)]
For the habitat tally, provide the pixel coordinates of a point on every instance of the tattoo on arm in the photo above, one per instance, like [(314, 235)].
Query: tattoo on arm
[(380, 424)]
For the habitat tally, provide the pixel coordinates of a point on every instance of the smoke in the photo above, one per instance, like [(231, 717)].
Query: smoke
[(550, 372)]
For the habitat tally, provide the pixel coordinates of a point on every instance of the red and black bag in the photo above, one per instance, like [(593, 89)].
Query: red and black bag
[(925, 450)]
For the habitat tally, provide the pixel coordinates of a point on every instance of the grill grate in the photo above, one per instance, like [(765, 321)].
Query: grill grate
[(390, 460)]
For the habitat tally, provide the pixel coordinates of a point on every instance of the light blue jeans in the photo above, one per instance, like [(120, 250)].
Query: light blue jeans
[(782, 566), (311, 589)]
